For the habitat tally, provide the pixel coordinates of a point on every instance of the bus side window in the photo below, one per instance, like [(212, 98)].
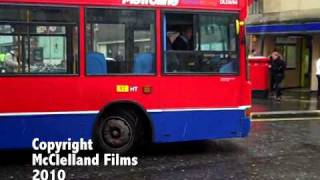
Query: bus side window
[(201, 43), (125, 40), (38, 40)]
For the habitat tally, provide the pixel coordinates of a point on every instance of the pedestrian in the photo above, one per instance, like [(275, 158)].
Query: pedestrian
[(318, 75), (278, 67), (275, 51)]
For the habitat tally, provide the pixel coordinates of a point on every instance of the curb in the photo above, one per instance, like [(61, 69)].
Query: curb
[(286, 115)]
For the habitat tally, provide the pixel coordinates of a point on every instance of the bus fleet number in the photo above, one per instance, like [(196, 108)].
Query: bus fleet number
[(48, 175)]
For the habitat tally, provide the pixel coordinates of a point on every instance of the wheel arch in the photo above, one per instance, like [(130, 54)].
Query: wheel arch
[(123, 104)]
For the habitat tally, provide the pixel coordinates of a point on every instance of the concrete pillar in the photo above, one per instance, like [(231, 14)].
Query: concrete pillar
[(315, 57)]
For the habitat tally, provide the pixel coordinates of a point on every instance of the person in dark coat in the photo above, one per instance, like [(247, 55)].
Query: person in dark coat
[(184, 41), (278, 67)]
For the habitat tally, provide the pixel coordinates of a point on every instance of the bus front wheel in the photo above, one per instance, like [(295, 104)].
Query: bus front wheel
[(118, 132)]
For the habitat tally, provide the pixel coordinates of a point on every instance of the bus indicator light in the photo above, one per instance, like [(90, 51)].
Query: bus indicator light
[(248, 112), (239, 24)]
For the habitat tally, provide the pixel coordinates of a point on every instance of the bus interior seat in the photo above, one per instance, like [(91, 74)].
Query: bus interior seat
[(222, 65), (143, 63), (227, 68), (96, 63)]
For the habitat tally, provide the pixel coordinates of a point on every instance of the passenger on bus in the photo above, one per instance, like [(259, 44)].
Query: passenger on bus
[(184, 41), (2, 57), (172, 60), (11, 62)]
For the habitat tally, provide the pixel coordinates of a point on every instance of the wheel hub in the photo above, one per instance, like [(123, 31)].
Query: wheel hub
[(116, 132)]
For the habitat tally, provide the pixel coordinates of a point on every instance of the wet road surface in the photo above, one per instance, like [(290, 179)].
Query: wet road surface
[(274, 150)]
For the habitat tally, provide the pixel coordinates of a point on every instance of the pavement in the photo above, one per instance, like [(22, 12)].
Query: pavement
[(297, 103)]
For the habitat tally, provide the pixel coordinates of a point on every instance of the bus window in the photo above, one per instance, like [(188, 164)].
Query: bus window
[(120, 41), (216, 34), (39, 40), (200, 43)]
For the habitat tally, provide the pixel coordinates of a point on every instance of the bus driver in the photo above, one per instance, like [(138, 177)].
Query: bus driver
[(184, 41)]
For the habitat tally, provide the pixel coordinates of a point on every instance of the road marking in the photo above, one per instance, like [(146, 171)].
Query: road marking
[(284, 119)]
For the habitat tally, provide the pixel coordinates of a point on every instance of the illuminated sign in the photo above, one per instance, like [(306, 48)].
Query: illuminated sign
[(152, 2), (229, 2)]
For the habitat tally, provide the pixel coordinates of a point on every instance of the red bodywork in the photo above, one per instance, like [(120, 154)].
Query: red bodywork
[(29, 93)]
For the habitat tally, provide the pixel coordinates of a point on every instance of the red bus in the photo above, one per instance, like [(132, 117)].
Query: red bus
[(122, 72)]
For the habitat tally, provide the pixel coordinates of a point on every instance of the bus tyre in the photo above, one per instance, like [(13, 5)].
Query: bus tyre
[(118, 132)]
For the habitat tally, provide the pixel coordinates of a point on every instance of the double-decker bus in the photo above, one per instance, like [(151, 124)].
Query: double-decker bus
[(122, 72)]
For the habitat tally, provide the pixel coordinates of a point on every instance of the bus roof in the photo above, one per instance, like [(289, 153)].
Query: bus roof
[(188, 4)]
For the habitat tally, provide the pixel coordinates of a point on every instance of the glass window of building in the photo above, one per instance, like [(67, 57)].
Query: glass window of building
[(256, 7)]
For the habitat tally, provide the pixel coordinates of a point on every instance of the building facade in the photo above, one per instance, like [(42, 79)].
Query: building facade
[(293, 28)]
